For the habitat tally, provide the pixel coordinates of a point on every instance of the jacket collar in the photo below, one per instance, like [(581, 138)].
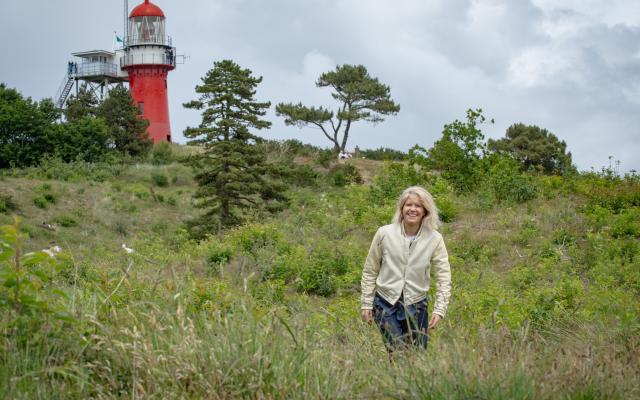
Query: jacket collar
[(404, 234)]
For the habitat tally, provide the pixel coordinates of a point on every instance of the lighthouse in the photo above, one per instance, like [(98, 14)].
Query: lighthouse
[(148, 58), (144, 60)]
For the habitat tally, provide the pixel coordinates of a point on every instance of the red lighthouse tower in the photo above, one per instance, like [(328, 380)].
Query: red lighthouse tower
[(148, 58)]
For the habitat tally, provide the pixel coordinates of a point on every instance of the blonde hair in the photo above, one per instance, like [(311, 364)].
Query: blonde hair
[(431, 220)]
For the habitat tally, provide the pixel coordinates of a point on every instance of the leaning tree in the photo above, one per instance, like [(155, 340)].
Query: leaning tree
[(360, 98)]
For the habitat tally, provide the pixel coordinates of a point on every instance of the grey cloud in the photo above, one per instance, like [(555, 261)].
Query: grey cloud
[(574, 71)]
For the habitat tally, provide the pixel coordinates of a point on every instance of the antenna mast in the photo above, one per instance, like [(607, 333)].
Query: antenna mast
[(126, 23)]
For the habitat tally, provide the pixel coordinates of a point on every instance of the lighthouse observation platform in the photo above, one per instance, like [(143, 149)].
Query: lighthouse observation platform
[(149, 56), (96, 66)]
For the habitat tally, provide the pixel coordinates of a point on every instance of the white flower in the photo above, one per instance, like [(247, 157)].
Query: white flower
[(52, 251), (128, 250)]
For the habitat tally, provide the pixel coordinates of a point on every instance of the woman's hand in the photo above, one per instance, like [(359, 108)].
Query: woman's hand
[(434, 320), (367, 316)]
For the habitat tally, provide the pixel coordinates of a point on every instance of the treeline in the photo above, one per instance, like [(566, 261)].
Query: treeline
[(31, 131)]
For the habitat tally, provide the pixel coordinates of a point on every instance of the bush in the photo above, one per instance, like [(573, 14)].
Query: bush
[(626, 224), (160, 180), (162, 154), (326, 157), (319, 274), (508, 183), (302, 175), (218, 254), (396, 177), (66, 220), (447, 210), (40, 202), (344, 174), (7, 204), (381, 154), (50, 197), (29, 302)]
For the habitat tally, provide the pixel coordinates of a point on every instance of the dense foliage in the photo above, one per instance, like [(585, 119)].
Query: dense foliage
[(25, 129), (458, 153), (30, 132), (80, 105), (534, 148), (360, 98), (123, 119)]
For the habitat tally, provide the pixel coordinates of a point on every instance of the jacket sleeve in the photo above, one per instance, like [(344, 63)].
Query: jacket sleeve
[(370, 271), (441, 271)]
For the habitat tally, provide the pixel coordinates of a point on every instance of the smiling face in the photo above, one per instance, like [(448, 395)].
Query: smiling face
[(413, 211)]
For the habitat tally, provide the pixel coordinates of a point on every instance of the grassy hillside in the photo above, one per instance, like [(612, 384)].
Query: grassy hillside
[(545, 301)]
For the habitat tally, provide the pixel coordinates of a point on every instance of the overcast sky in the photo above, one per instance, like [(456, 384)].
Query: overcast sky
[(570, 66)]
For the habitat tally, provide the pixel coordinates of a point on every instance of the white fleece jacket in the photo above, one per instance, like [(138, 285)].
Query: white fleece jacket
[(395, 265)]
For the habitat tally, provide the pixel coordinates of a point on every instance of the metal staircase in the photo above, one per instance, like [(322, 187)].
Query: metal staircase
[(63, 91)]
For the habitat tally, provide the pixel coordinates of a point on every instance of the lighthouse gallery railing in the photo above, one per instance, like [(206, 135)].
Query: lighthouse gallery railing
[(149, 59)]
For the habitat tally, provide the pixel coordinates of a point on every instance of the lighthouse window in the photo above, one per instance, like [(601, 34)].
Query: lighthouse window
[(141, 107)]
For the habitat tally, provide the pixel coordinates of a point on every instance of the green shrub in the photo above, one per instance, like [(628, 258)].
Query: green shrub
[(7, 203), (508, 183), (218, 254), (447, 210), (160, 180), (344, 174), (27, 299), (50, 197), (626, 224), (171, 200), (162, 154), (326, 157), (319, 275), (139, 191), (250, 238), (66, 220), (394, 178), (562, 237), (381, 154), (528, 230), (302, 175), (40, 202)]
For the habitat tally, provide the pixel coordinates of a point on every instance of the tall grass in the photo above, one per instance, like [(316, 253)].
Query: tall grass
[(545, 303), (167, 349)]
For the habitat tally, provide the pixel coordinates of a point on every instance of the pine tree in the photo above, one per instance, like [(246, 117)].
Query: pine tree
[(233, 176), (83, 104), (360, 97), (128, 129), (534, 147)]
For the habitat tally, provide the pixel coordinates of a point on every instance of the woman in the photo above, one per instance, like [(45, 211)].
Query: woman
[(396, 274)]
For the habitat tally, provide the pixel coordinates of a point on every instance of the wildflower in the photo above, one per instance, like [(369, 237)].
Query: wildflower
[(52, 251), (126, 249)]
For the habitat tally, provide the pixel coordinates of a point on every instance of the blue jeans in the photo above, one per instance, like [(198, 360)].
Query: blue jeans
[(400, 324)]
